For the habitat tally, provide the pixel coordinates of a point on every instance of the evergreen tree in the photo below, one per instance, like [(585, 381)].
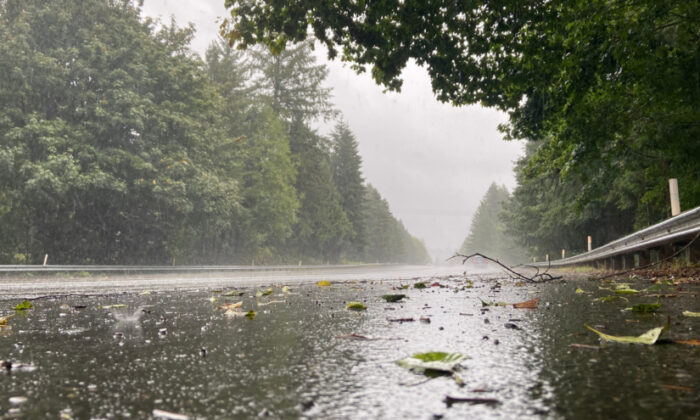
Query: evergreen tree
[(387, 238), (487, 232), (259, 156), (347, 174), (292, 84), (323, 229)]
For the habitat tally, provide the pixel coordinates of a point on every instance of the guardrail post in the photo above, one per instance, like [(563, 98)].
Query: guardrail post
[(590, 243), (675, 200), (563, 254), (546, 257), (654, 255), (684, 255), (642, 258), (46, 259)]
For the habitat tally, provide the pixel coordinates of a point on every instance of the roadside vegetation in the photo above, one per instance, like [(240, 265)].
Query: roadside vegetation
[(120, 145)]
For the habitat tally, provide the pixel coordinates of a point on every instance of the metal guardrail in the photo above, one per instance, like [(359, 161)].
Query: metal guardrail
[(685, 226), (170, 269)]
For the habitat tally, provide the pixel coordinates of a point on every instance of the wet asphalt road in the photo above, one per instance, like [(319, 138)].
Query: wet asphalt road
[(304, 355)]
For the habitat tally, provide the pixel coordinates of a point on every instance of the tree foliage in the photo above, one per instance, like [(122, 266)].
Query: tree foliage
[(108, 135), (119, 145), (606, 91), (487, 234), (347, 175)]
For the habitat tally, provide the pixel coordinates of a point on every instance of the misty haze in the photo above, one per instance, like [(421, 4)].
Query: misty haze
[(349, 209)]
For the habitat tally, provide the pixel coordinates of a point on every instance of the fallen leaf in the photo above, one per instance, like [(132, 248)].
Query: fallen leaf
[(692, 342), (435, 361), (356, 306), (529, 304), (610, 299), (250, 314), (579, 291), (115, 306), (691, 314), (323, 283), (393, 298), (234, 312), (419, 285), (676, 387), (645, 307), (229, 306), (625, 290), (270, 302), (234, 293), (145, 293), (492, 303), (23, 306), (648, 337), (285, 289)]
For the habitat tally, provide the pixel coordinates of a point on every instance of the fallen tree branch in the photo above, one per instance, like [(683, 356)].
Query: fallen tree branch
[(537, 278)]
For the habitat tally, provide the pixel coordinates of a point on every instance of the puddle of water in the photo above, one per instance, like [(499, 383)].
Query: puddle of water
[(176, 352)]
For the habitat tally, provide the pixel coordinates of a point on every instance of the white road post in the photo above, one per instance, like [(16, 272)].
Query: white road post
[(675, 199), (563, 254), (590, 243)]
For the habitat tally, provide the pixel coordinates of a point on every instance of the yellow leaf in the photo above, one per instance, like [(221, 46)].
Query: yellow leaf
[(230, 306), (693, 314), (323, 283), (648, 337)]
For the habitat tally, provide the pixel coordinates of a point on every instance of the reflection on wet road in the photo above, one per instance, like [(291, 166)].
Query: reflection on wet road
[(126, 355)]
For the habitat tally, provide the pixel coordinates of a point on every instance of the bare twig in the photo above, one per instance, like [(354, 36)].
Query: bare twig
[(537, 278)]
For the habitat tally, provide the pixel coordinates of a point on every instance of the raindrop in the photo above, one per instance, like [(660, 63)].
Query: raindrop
[(17, 400)]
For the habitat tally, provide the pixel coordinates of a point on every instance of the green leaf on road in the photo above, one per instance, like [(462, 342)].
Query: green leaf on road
[(393, 298), (356, 306), (492, 303), (23, 306), (645, 307), (432, 362), (609, 298)]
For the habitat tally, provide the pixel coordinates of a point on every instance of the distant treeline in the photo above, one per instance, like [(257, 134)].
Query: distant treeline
[(122, 146)]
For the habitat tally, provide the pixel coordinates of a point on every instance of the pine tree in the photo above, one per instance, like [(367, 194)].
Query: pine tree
[(347, 175), (487, 232)]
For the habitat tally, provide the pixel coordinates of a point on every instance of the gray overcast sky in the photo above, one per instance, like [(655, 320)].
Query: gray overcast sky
[(431, 161)]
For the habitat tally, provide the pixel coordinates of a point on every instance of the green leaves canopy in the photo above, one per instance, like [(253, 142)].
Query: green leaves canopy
[(607, 92)]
